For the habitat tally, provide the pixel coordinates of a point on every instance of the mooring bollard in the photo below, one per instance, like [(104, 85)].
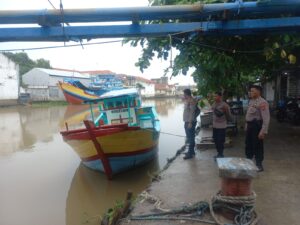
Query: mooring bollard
[(236, 187), (236, 176)]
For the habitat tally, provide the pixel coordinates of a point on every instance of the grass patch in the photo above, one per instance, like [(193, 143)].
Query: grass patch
[(49, 103)]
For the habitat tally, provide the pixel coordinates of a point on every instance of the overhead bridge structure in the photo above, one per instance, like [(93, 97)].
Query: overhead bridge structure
[(233, 18)]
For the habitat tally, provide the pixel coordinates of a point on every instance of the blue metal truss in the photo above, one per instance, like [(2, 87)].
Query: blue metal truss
[(238, 27), (228, 19)]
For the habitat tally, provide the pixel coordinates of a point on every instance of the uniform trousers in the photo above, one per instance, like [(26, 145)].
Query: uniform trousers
[(254, 145), (190, 136), (219, 139)]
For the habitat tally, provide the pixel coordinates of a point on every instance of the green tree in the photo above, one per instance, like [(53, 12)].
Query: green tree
[(226, 63), (42, 63), (25, 63)]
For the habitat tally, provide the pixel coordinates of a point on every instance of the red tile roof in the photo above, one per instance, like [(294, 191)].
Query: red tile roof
[(161, 87), (142, 79)]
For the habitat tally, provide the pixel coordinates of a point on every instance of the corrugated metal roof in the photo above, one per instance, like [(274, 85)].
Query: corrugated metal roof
[(99, 72), (63, 73)]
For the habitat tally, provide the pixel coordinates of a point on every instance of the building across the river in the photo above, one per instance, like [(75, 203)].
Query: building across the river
[(9, 81), (41, 83)]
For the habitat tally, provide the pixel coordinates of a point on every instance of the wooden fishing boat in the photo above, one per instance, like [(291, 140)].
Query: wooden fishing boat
[(122, 135), (77, 93)]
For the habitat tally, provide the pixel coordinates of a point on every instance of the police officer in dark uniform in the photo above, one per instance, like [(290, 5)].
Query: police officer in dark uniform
[(257, 123), (221, 116)]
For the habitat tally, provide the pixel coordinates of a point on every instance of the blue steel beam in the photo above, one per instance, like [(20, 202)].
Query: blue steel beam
[(238, 9), (75, 33)]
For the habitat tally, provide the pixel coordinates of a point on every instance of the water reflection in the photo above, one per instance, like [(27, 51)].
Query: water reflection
[(42, 171), (91, 194), (22, 127), (164, 106)]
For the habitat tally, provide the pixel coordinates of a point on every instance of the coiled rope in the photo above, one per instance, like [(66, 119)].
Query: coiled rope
[(244, 207)]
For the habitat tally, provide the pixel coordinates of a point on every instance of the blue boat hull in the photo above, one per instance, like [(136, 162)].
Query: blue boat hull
[(122, 163)]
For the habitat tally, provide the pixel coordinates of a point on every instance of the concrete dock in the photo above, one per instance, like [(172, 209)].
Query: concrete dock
[(197, 179)]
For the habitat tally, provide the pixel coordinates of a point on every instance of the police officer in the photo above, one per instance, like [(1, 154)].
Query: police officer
[(190, 121), (257, 123), (221, 115)]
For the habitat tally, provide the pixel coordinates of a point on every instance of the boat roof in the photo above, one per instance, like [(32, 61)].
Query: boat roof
[(126, 92)]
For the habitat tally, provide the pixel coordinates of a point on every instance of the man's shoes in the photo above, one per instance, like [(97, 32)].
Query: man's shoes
[(218, 156), (188, 153), (189, 156), (260, 168)]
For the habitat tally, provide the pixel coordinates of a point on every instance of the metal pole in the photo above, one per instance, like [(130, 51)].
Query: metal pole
[(196, 11)]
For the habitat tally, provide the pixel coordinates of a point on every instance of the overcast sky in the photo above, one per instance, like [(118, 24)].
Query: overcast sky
[(113, 56)]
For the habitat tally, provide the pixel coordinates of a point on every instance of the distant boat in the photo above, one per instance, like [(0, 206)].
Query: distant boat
[(121, 136), (77, 93)]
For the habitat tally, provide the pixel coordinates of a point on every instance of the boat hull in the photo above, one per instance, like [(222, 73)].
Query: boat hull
[(75, 95), (122, 163), (120, 147)]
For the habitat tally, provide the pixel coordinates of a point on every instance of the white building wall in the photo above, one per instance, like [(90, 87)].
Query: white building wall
[(148, 90), (9, 79)]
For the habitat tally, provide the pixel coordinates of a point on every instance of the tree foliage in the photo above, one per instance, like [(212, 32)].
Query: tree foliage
[(25, 63), (227, 63)]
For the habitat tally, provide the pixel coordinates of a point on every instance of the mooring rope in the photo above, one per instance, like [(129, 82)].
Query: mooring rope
[(157, 202), (242, 205), (243, 200), (174, 218), (162, 132), (246, 213), (196, 209)]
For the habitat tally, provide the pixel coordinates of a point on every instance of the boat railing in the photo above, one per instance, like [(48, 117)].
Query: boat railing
[(100, 117), (147, 117)]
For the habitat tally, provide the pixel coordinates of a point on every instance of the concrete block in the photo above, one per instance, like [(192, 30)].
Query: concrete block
[(239, 168)]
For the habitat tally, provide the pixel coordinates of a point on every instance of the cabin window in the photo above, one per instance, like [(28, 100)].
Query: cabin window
[(119, 104), (125, 103), (110, 105), (133, 103)]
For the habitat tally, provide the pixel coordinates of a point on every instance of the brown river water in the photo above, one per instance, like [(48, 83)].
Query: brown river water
[(41, 179)]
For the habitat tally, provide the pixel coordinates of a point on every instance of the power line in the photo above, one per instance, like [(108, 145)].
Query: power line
[(234, 50), (51, 4), (221, 48), (59, 46)]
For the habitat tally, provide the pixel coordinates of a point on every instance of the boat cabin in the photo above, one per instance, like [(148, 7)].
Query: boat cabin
[(122, 107)]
